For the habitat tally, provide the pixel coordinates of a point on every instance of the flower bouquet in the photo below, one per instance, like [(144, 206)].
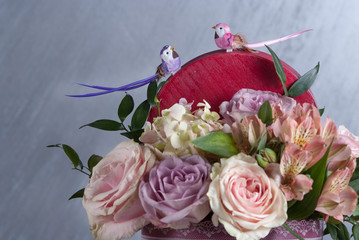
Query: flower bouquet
[(261, 159)]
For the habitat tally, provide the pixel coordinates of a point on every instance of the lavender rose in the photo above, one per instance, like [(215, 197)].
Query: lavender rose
[(173, 194), (246, 102), (111, 197)]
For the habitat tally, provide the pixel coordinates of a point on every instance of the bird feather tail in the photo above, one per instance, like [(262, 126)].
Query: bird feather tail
[(270, 42), (127, 87)]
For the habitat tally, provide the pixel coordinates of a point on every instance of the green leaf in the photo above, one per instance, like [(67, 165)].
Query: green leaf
[(356, 211), (72, 155), (305, 208), (304, 83), (218, 143), (78, 194), (292, 231), (279, 69), (343, 233), (105, 124), (333, 231), (355, 185), (126, 107), (354, 181), (321, 111), (93, 161), (54, 145), (355, 231), (355, 175), (135, 135), (291, 203), (262, 142), (140, 116), (265, 113), (151, 93), (253, 148)]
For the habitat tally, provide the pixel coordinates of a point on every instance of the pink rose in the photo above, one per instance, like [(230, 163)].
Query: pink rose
[(246, 102), (111, 196), (244, 199), (174, 192)]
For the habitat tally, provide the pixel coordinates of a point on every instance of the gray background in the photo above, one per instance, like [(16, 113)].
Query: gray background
[(46, 46)]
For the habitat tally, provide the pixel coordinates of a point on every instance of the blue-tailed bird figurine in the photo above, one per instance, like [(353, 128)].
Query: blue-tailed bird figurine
[(171, 63)]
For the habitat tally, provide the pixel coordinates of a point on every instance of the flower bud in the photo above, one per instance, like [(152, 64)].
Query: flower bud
[(266, 156)]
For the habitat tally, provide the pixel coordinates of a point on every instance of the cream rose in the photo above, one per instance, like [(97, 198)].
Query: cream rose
[(244, 199), (111, 197)]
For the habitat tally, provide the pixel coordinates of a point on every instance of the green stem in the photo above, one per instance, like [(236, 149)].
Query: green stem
[(82, 171), (285, 89), (292, 232), (124, 127), (159, 110)]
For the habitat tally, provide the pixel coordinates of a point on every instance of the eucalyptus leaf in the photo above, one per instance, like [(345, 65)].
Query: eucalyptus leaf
[(304, 83), (135, 135), (140, 115), (306, 207), (105, 124), (265, 113), (126, 107), (78, 194), (72, 155), (219, 143), (151, 93), (279, 69), (93, 161)]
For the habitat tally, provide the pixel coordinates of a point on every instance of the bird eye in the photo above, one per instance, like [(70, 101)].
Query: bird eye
[(220, 28), (167, 53)]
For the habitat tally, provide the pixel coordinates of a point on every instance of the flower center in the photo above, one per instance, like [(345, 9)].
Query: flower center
[(304, 133)]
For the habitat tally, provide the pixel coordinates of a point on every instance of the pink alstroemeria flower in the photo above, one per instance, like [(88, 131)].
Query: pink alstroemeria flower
[(350, 139), (337, 198), (329, 131), (302, 127), (294, 185), (247, 132), (340, 152)]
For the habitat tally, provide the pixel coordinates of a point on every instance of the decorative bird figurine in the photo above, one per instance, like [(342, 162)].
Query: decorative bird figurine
[(171, 63), (226, 40)]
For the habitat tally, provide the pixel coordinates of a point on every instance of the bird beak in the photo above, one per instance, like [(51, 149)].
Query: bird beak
[(172, 48), (214, 27)]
